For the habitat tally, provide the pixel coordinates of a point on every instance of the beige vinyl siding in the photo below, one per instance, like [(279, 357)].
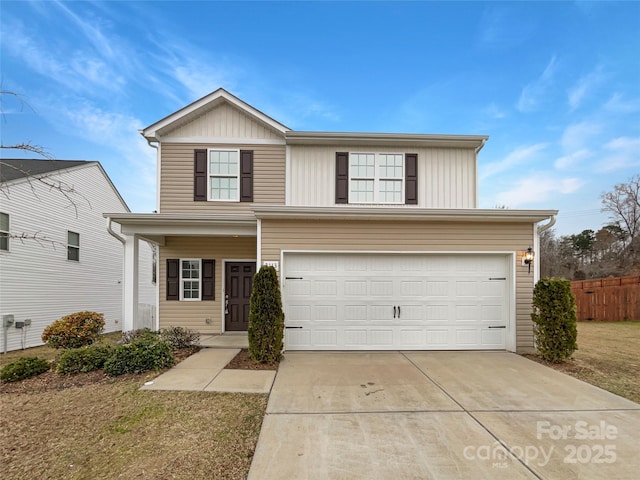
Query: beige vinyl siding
[(413, 236), (176, 179), (193, 315), (446, 176), (224, 121)]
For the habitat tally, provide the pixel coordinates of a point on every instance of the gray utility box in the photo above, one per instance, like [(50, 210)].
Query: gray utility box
[(19, 324), (7, 321)]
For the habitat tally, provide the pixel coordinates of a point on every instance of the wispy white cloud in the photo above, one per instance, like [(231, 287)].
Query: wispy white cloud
[(537, 188), (584, 86), (578, 136), (619, 104), (533, 94), (620, 153), (494, 112), (573, 159), (519, 156)]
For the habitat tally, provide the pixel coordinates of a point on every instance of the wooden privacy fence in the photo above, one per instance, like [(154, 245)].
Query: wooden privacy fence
[(608, 299)]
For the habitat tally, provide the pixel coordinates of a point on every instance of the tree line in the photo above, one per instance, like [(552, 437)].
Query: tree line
[(613, 250)]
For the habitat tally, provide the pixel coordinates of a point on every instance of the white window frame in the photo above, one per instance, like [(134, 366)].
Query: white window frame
[(209, 175), (5, 233), (378, 178), (183, 280), (76, 247)]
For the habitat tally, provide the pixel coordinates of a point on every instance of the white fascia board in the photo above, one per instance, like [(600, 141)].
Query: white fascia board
[(217, 95), (379, 139), (403, 213), (157, 226)]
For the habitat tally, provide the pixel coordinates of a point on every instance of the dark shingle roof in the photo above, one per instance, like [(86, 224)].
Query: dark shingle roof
[(14, 168)]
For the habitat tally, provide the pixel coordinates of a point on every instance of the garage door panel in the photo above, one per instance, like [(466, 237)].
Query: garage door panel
[(441, 301)]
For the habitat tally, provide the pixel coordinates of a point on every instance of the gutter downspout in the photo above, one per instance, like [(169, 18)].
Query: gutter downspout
[(547, 226), (156, 147), (475, 173)]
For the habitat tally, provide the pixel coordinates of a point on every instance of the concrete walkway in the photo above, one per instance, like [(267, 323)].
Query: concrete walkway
[(441, 415), (203, 371)]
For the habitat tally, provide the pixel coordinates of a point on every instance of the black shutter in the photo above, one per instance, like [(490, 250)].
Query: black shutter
[(173, 279), (411, 179), (208, 279), (246, 175), (200, 175), (342, 177)]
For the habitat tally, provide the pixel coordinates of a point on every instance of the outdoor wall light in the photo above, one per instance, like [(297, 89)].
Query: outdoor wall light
[(527, 258)]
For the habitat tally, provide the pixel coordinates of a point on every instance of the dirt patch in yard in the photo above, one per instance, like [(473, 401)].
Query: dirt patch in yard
[(242, 361), (608, 356)]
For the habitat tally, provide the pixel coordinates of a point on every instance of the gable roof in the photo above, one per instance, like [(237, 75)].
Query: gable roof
[(15, 168), (204, 104)]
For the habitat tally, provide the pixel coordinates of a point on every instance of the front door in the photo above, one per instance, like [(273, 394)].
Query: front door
[(238, 282)]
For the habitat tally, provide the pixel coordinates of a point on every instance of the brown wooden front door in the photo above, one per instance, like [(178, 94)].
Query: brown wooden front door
[(238, 282)]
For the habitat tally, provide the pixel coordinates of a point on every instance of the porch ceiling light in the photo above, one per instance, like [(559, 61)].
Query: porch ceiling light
[(527, 257)]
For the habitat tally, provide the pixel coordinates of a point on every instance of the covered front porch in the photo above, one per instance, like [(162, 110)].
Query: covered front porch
[(204, 268)]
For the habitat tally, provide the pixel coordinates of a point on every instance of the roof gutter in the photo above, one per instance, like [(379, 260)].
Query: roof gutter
[(547, 226), (114, 234)]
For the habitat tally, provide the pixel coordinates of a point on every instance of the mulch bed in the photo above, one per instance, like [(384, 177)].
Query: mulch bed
[(242, 362)]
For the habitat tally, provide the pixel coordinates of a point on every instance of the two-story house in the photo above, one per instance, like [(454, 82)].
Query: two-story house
[(377, 238), (56, 257)]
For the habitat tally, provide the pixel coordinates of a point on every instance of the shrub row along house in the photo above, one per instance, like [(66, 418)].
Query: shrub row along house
[(377, 238), (56, 256)]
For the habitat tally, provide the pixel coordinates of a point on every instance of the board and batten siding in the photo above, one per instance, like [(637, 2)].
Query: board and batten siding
[(37, 281), (224, 121), (176, 179), (411, 236), (194, 314), (446, 176)]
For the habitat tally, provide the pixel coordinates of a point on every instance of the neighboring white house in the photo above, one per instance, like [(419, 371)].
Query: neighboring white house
[(56, 255)]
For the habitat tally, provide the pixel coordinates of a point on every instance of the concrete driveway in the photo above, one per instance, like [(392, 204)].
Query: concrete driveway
[(441, 415)]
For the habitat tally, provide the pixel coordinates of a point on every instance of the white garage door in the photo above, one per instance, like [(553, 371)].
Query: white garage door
[(389, 302)]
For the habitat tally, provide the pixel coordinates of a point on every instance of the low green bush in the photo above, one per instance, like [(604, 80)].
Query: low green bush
[(554, 319), (84, 359), (266, 318), (179, 337), (24, 367), (141, 334), (139, 356), (74, 331)]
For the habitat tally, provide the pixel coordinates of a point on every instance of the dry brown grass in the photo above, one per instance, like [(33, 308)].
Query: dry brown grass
[(90, 426), (608, 356)]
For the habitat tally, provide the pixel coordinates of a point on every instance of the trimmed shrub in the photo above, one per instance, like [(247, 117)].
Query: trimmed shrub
[(142, 334), (24, 367), (139, 356), (554, 319), (82, 360), (179, 337), (74, 331), (266, 318)]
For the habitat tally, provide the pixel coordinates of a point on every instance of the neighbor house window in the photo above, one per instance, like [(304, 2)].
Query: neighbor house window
[(73, 246), (190, 279), (224, 171), (4, 231), (376, 178)]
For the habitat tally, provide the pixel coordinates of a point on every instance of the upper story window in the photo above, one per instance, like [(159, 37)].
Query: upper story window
[(376, 178), (224, 173), (4, 231), (73, 246)]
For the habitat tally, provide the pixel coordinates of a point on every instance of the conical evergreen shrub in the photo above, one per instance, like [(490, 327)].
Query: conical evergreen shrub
[(266, 318)]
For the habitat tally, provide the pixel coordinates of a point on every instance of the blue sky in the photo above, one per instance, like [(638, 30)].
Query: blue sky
[(556, 85)]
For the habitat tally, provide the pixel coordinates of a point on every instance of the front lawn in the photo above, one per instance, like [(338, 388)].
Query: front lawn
[(93, 426), (608, 356)]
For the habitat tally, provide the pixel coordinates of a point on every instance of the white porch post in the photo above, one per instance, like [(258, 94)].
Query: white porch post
[(130, 289)]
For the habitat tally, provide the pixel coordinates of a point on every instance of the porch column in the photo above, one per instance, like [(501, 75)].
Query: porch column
[(130, 287)]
